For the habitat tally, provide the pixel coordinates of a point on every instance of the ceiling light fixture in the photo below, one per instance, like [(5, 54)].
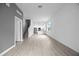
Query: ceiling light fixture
[(40, 6)]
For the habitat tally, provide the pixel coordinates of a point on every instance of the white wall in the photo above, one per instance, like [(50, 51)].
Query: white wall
[(66, 29), (51, 31)]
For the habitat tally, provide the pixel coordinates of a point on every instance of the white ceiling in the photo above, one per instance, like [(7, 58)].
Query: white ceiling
[(36, 14)]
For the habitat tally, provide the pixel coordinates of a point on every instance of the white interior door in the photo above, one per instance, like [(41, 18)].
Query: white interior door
[(18, 29)]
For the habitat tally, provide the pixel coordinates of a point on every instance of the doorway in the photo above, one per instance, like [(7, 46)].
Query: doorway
[(18, 29), (26, 28)]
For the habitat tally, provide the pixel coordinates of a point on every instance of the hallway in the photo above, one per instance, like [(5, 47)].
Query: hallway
[(40, 45)]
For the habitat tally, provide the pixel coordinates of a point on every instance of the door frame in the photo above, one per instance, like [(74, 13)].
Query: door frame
[(21, 38)]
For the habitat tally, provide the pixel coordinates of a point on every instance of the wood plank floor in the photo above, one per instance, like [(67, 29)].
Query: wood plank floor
[(41, 45)]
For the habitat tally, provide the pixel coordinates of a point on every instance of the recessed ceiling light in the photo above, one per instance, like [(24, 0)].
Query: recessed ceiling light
[(40, 6)]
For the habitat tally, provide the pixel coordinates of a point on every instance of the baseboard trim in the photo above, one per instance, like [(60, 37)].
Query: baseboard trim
[(1, 54), (64, 45)]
